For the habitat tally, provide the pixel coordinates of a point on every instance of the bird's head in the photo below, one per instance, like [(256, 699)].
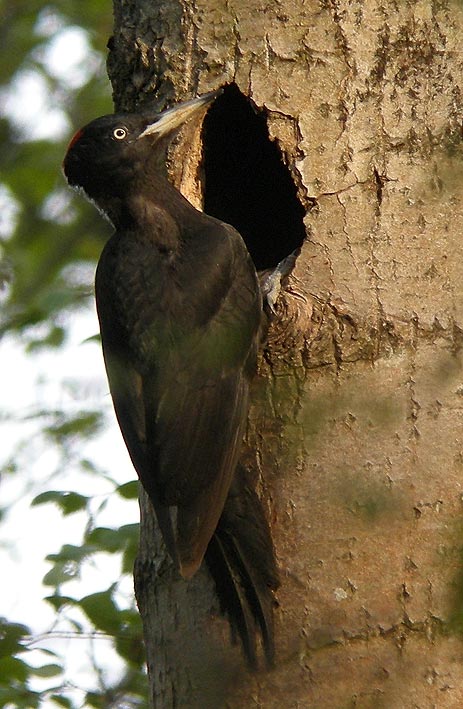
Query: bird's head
[(104, 156)]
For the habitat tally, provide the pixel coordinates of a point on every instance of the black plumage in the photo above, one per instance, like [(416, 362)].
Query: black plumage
[(180, 312)]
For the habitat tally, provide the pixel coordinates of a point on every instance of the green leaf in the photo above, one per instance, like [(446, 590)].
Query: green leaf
[(47, 670), (131, 649), (48, 496), (11, 637), (55, 337), (14, 669), (106, 539), (71, 552), (129, 491), (73, 502), (97, 701), (60, 573), (130, 532), (19, 698), (93, 338), (61, 701), (68, 502), (85, 424), (124, 539), (102, 611), (58, 601)]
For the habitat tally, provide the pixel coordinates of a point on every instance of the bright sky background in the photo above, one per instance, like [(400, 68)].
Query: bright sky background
[(71, 378), (30, 533)]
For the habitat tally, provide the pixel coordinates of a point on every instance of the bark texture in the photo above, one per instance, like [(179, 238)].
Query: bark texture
[(356, 423)]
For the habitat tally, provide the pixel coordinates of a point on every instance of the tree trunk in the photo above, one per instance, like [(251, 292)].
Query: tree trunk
[(355, 425)]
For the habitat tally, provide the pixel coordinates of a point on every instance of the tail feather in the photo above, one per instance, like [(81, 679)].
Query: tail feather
[(232, 597), (241, 560), (262, 602)]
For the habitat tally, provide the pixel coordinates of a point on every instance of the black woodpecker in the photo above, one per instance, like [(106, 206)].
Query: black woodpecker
[(180, 312)]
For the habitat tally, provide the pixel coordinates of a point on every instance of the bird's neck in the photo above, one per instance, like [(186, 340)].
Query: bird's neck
[(146, 203)]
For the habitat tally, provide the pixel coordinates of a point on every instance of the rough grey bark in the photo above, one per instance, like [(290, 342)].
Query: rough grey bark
[(356, 424)]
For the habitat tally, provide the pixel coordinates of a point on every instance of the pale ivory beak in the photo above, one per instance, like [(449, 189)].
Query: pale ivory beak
[(172, 118)]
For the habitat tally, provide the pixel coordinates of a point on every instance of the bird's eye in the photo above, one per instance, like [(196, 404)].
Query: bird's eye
[(120, 133)]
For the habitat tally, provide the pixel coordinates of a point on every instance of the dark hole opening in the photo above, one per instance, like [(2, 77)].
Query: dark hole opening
[(246, 182)]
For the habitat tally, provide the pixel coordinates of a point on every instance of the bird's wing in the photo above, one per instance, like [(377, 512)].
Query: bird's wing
[(126, 387), (182, 411), (195, 438), (200, 399)]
